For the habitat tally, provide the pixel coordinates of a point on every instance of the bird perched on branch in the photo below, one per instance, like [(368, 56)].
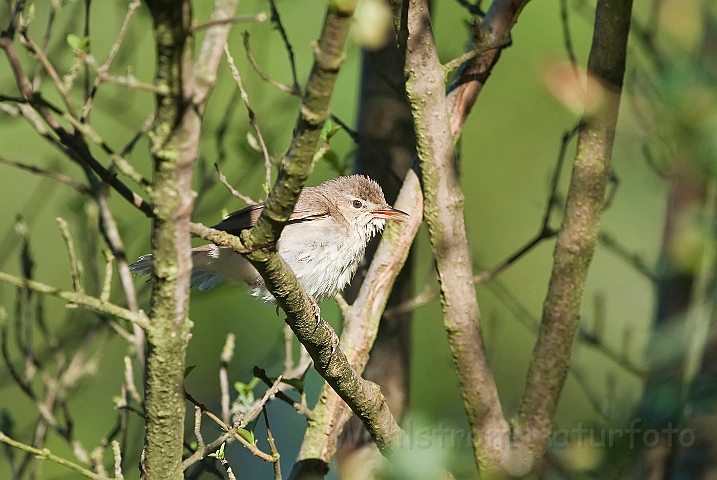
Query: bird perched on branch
[(323, 242)]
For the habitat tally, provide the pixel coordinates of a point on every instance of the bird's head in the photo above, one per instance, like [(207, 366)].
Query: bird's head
[(361, 202)]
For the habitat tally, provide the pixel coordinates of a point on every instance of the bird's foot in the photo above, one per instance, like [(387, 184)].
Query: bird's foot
[(317, 311), (334, 345)]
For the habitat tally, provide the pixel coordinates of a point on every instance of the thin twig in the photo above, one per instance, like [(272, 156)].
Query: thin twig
[(129, 381), (637, 262), (252, 115), (122, 164), (110, 58), (107, 284), (292, 90), (37, 52), (128, 81), (49, 174), (250, 18), (234, 191), (226, 357), (301, 409), (567, 38), (117, 454), (276, 23), (272, 447), (46, 454), (139, 318), (75, 266), (458, 61), (144, 128), (198, 428)]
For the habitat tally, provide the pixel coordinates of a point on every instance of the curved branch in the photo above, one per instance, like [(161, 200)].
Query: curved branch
[(443, 210)]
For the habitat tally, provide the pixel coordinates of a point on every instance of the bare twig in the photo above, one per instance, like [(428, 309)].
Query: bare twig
[(276, 23), (46, 454), (292, 90), (142, 130), (250, 111), (198, 428), (122, 164), (637, 262), (299, 407), (139, 318), (37, 52), (256, 17), (128, 81), (107, 284), (49, 174), (227, 354), (129, 381), (104, 68), (75, 267), (117, 454), (471, 54), (272, 447), (234, 191)]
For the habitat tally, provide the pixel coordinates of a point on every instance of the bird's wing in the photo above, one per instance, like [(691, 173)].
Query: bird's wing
[(241, 219), (247, 217)]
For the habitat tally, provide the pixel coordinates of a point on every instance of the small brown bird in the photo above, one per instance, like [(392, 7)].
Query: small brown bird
[(323, 242)]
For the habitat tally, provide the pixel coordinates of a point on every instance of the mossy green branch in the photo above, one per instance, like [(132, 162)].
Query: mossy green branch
[(443, 211), (578, 235), (175, 142), (363, 397), (297, 164)]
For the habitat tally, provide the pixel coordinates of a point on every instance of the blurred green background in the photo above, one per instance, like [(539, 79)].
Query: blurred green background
[(508, 150)]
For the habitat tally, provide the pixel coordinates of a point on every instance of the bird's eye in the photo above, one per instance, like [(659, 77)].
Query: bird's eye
[(357, 204)]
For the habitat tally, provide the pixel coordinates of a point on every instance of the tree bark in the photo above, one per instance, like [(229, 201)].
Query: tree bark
[(577, 238)]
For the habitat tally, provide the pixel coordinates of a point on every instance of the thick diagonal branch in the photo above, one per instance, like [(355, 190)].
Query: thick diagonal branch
[(257, 244)]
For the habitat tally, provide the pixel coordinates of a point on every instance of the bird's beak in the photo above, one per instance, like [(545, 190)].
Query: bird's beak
[(390, 213)]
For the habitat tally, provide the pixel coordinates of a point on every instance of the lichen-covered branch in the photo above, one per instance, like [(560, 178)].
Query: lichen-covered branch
[(175, 137), (175, 146), (320, 340), (443, 211), (578, 235)]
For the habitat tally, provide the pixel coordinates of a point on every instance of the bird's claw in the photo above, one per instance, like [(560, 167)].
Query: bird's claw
[(317, 312)]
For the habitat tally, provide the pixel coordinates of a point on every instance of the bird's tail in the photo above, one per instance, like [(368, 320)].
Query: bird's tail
[(212, 264)]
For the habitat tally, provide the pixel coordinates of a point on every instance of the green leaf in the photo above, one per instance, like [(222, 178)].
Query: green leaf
[(188, 370), (329, 130), (78, 43), (247, 435), (219, 454)]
